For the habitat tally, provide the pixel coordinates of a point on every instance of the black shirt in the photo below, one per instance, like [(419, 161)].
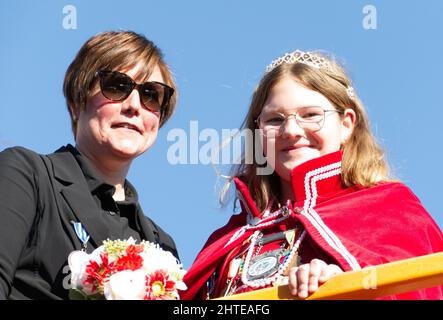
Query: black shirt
[(117, 214)]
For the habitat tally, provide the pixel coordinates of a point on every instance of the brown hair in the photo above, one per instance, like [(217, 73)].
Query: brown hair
[(113, 50), (363, 160)]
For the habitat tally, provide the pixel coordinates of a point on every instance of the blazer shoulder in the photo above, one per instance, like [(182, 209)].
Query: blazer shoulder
[(21, 159), (20, 154)]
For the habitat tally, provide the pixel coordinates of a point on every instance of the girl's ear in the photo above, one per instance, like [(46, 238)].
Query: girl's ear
[(348, 124)]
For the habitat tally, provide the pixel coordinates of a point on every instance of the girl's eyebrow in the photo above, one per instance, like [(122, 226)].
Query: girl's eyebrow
[(282, 109)]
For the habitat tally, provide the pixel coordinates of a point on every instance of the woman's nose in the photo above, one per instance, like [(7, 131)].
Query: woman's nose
[(132, 104)]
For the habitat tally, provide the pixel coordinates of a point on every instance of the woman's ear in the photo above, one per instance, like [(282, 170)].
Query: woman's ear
[(348, 124), (75, 112)]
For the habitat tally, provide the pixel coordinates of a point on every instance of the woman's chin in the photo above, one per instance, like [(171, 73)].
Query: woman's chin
[(127, 149)]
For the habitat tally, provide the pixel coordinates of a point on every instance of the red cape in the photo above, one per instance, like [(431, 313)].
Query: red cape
[(355, 227)]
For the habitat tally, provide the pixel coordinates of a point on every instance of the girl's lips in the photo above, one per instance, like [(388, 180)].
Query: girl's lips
[(296, 147)]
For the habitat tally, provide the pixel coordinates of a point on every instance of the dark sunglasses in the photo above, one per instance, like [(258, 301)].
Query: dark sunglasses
[(117, 86)]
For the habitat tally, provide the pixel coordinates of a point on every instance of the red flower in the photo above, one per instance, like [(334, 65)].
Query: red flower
[(159, 286), (131, 260), (98, 273)]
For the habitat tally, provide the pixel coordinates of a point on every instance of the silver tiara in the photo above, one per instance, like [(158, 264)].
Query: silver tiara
[(309, 58)]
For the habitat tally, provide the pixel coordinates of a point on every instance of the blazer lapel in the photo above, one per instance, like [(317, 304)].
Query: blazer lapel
[(86, 211), (75, 191)]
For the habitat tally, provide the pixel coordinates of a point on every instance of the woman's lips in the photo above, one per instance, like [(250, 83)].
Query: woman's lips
[(126, 125)]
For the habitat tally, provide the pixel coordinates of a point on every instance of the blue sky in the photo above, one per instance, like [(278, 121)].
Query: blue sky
[(218, 51)]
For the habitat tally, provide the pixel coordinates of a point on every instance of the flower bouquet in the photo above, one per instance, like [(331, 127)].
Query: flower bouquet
[(124, 270)]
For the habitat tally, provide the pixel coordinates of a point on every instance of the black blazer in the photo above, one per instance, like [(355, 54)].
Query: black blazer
[(40, 197)]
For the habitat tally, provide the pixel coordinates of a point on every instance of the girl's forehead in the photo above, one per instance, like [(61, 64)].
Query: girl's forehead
[(288, 95)]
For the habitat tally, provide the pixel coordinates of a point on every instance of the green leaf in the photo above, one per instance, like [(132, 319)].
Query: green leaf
[(75, 294)]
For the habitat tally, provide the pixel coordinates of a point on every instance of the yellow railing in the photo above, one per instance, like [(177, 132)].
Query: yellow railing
[(368, 283)]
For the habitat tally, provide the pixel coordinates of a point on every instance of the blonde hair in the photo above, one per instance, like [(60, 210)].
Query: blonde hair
[(113, 50), (363, 160)]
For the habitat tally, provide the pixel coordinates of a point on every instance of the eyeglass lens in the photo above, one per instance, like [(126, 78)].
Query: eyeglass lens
[(117, 86), (308, 118)]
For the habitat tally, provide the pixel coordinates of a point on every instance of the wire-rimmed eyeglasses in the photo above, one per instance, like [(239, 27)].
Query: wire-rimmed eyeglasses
[(310, 119)]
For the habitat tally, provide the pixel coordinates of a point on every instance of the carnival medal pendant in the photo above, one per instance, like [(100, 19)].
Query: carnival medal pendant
[(265, 265)]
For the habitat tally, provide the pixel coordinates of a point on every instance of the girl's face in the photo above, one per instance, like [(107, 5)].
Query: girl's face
[(316, 130)]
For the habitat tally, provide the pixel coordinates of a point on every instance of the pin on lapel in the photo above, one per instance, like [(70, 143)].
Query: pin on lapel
[(81, 233)]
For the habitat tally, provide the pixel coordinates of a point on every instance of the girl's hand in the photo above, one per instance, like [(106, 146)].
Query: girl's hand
[(304, 279)]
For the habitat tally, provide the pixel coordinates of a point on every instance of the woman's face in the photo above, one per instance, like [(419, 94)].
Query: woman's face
[(119, 130), (295, 145)]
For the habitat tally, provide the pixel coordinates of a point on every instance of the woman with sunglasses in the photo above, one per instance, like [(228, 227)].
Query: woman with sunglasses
[(326, 206), (119, 92)]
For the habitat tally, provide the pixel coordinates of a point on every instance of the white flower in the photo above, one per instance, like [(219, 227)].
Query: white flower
[(95, 255), (177, 275), (130, 240), (78, 260), (155, 258), (180, 285), (126, 285)]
